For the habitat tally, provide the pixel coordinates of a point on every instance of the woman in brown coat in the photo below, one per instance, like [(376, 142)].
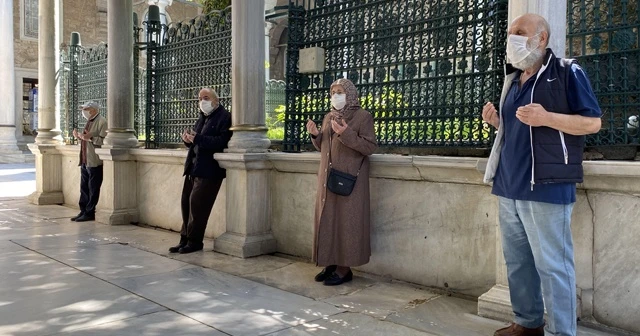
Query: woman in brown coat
[(341, 228)]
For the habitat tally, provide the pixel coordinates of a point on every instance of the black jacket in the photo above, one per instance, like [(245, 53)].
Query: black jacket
[(212, 137)]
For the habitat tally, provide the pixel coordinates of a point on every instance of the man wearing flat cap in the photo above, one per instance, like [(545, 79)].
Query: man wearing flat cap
[(92, 137)]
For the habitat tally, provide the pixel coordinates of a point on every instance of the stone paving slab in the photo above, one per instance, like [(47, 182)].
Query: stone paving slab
[(298, 278), (228, 303), (39, 211), (39, 296), (162, 323), (382, 299), (114, 261), (446, 315), (70, 235), (350, 324)]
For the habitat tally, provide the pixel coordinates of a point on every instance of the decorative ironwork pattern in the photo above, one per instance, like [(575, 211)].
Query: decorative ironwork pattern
[(193, 54), (423, 68), (603, 35), (91, 82), (64, 83)]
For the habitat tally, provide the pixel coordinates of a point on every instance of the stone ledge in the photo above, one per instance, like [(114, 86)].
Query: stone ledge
[(243, 161), (168, 156)]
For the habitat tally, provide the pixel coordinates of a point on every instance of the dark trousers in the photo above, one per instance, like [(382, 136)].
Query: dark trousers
[(198, 197), (90, 183)]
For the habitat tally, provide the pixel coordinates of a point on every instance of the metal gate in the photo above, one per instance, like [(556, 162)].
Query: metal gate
[(603, 36), (423, 68), (193, 54)]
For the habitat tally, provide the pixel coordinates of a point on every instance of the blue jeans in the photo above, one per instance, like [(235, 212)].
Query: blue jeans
[(538, 249)]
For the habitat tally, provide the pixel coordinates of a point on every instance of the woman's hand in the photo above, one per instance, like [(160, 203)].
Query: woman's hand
[(312, 128), (338, 127)]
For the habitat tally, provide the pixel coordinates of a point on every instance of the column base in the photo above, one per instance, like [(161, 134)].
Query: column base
[(248, 141), (496, 304), (116, 140), (48, 175), (48, 137), (118, 195), (242, 246), (117, 217), (46, 198)]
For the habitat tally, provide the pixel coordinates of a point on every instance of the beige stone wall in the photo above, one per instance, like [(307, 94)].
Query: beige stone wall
[(25, 50), (89, 17)]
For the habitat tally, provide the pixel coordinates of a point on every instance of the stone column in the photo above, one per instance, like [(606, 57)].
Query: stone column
[(496, 303), (267, 41), (120, 75), (8, 142), (47, 74), (119, 185), (48, 158), (247, 209)]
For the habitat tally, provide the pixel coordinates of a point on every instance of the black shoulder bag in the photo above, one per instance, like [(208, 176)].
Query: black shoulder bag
[(341, 183)]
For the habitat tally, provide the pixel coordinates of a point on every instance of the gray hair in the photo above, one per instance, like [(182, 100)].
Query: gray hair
[(543, 26), (212, 91)]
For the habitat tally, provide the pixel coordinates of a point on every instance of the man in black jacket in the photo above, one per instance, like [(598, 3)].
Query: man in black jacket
[(203, 175)]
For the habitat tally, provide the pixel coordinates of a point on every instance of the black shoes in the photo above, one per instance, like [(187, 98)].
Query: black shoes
[(73, 219), (335, 279), (176, 249), (190, 248), (85, 218), (326, 272)]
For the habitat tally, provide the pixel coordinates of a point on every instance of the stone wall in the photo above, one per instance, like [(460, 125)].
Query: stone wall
[(89, 17), (25, 50)]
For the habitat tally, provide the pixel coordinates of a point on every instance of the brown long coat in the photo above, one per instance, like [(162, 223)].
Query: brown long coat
[(342, 226)]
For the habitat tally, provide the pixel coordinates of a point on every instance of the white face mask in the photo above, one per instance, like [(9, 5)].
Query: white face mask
[(86, 114), (207, 107), (520, 47), (339, 100)]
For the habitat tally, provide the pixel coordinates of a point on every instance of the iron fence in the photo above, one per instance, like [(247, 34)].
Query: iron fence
[(83, 78), (423, 68), (193, 54), (603, 35)]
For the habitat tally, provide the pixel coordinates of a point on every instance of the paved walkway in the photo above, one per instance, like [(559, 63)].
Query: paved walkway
[(66, 278)]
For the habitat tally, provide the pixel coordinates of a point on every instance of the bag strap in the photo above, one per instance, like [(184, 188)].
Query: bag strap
[(331, 145)]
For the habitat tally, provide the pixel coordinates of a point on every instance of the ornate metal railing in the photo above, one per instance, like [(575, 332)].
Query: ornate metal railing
[(423, 68), (603, 35), (85, 79), (193, 54), (63, 78)]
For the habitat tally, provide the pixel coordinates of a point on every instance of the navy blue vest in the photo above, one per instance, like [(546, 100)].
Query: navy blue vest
[(557, 156)]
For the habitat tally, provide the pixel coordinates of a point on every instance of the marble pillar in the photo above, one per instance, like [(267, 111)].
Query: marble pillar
[(496, 303), (119, 185), (47, 158), (47, 134), (120, 75), (248, 227), (8, 141)]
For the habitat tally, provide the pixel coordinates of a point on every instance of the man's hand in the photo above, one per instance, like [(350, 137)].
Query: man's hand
[(312, 128), (75, 134), (533, 115), (188, 137), (490, 115), (85, 136), (337, 127)]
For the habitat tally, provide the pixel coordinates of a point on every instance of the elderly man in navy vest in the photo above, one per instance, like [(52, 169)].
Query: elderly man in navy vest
[(202, 174), (546, 109)]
